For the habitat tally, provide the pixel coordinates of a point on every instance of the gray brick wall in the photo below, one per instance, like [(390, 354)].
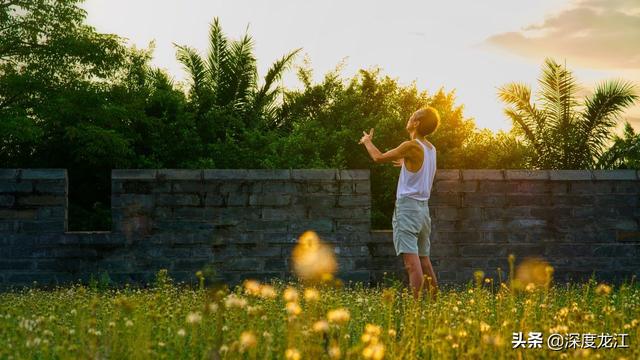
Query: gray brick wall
[(581, 222), (244, 223)]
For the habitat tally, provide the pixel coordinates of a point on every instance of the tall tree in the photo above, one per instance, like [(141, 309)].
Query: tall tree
[(224, 85), (566, 133)]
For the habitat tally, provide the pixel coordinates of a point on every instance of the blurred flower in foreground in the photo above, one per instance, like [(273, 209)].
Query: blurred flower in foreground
[(311, 294), (292, 354), (532, 272), (247, 340), (313, 261), (290, 294), (373, 348), (338, 316), (320, 326), (194, 318), (603, 289), (255, 288)]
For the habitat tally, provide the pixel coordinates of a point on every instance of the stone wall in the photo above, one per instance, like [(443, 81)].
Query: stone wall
[(244, 224), (581, 222), (241, 223)]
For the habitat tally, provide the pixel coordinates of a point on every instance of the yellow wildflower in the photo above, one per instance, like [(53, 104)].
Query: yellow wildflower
[(338, 316)]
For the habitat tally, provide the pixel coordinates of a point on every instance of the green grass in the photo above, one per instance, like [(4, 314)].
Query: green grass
[(473, 322)]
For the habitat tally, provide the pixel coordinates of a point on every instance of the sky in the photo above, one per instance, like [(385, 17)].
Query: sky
[(471, 46)]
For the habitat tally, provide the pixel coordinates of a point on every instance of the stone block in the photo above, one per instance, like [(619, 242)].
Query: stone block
[(225, 174), (315, 201), (592, 187), (613, 200), (533, 187), (354, 200), (8, 174), (526, 174), (269, 199), (482, 200), (233, 187), (353, 226), (279, 187), (42, 226), (314, 174), (552, 212), (138, 174), (491, 213), (444, 186), (43, 174), (362, 187), (322, 187), (11, 214), (440, 199), (133, 201), (614, 174), (572, 200), (571, 175), (13, 187), (351, 174), (457, 237), (41, 200), (445, 174), (482, 174), (381, 236), (55, 187), (315, 225), (452, 213), (237, 199), (268, 225), (483, 250), (214, 200), (498, 186), (253, 174), (287, 213), (179, 174), (362, 213), (621, 187), (175, 200)]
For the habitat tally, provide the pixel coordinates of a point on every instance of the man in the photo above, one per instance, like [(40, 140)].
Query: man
[(411, 220)]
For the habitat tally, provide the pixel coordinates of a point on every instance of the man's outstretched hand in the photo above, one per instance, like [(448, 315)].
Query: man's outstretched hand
[(366, 137)]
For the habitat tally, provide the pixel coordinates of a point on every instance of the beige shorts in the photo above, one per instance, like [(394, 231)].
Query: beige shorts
[(411, 226)]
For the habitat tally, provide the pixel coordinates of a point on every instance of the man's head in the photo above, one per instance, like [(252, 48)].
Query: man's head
[(424, 121)]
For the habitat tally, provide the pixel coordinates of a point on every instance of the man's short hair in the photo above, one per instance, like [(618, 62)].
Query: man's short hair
[(429, 120)]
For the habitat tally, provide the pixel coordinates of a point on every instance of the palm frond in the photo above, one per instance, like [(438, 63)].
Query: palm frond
[(557, 97), (530, 119), (557, 94), (265, 95), (218, 52), (601, 112), (195, 67), (240, 81)]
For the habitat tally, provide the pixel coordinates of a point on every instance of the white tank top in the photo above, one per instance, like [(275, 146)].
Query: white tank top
[(417, 185)]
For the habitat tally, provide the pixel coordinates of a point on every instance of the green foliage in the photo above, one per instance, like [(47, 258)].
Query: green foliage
[(563, 132), (624, 153)]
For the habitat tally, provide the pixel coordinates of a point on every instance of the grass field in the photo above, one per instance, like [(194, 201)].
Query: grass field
[(258, 321)]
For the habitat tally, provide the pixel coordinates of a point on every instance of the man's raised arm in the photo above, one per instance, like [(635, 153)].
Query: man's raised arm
[(394, 154)]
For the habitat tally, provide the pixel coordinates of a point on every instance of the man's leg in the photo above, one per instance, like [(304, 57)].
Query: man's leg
[(427, 269), (414, 270)]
